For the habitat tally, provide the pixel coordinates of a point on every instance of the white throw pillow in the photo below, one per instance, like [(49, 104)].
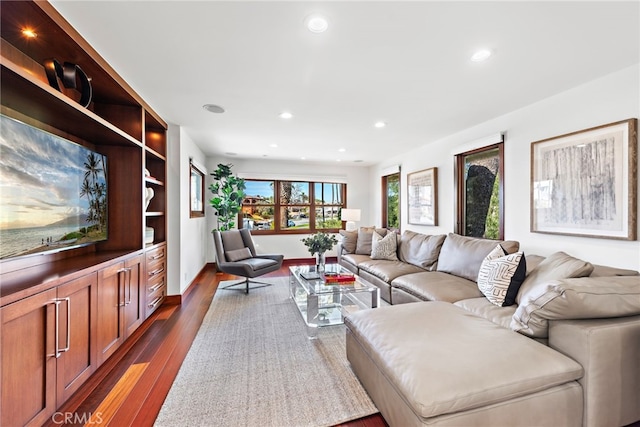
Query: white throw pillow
[(384, 247), (501, 275)]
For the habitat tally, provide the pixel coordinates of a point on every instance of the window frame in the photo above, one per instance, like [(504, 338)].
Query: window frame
[(460, 200), (385, 200), (196, 211), (277, 208)]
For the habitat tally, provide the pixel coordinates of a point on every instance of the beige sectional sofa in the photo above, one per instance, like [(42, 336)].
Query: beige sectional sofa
[(567, 352)]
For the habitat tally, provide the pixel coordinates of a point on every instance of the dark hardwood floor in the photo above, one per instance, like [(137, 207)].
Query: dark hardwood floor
[(129, 389)]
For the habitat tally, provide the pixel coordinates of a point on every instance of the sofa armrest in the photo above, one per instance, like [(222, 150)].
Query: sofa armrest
[(577, 298), (608, 350)]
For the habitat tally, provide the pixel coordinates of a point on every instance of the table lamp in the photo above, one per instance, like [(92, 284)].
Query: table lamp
[(351, 216)]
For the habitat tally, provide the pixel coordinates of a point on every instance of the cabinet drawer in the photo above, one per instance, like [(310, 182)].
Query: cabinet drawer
[(155, 283), (155, 300), (157, 254), (156, 269)]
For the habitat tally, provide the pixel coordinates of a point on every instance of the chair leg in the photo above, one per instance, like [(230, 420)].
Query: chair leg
[(245, 282)]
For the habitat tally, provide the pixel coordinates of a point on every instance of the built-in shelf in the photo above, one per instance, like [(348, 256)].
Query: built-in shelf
[(106, 287)]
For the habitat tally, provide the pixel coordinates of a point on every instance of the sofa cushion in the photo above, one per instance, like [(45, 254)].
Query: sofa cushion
[(238, 254), (532, 262), (387, 270), (606, 271), (436, 286), (349, 241), (424, 350), (556, 266), (355, 259), (501, 275), (365, 236), (462, 255), (482, 307), (384, 247), (580, 298), (420, 249)]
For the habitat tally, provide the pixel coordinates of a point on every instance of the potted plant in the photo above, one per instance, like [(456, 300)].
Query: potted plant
[(228, 194), (318, 244)]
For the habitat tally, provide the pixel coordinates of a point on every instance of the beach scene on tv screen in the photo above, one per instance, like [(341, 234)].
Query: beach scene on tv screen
[(53, 192)]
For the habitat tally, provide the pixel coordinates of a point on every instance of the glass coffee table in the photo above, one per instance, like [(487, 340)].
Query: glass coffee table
[(324, 304)]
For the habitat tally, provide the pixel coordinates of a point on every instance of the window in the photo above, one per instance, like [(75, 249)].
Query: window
[(292, 206), (391, 201), (480, 203)]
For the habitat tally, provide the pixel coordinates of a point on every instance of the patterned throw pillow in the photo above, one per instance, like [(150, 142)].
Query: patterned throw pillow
[(501, 275), (384, 247)]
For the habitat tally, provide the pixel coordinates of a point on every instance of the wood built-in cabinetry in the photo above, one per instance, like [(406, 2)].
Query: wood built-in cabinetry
[(63, 314)]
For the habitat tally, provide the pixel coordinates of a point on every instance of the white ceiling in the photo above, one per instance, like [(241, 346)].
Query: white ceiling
[(405, 63)]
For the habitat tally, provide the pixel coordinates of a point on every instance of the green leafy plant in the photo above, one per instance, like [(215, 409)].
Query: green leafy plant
[(228, 194), (320, 242)]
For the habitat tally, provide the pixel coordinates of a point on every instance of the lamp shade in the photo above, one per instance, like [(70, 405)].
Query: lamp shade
[(350, 215)]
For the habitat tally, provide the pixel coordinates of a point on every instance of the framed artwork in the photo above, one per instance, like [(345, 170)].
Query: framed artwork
[(585, 183), (423, 197), (196, 192)]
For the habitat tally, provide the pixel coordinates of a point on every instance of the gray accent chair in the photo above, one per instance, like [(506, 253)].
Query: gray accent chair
[(236, 254)]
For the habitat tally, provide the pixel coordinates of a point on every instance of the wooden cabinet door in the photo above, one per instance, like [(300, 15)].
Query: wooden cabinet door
[(28, 360), (111, 302), (77, 334), (134, 292)]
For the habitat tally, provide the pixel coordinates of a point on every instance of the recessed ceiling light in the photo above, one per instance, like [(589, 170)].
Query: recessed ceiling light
[(213, 108), (229, 153), (30, 33), (380, 124), (285, 115), (338, 160), (342, 150), (357, 161), (481, 55), (316, 23), (273, 145), (303, 158)]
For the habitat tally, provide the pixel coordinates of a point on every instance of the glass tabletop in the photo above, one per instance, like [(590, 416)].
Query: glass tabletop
[(316, 283)]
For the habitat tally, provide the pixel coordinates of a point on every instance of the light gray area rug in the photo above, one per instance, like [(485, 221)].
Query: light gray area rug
[(251, 364)]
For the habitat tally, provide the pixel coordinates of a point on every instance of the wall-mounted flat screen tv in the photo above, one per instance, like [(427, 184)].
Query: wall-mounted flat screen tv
[(53, 192)]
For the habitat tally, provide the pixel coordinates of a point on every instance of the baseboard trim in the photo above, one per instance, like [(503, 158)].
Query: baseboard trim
[(306, 261), (177, 299)]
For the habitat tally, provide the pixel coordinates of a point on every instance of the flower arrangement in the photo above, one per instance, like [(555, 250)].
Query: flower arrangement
[(320, 242)]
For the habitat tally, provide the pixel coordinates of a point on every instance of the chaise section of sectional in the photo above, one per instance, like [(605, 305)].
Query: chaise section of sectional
[(436, 364)]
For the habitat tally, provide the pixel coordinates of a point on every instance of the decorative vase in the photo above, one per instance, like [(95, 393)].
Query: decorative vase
[(149, 193), (320, 262)]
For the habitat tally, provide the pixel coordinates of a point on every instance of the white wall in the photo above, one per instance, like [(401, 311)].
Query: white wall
[(187, 236), (357, 179), (609, 99)]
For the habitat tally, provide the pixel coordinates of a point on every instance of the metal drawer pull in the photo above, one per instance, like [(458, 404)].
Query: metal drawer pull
[(155, 257), (156, 287), (156, 301), (128, 273), (122, 301), (156, 272), (57, 302)]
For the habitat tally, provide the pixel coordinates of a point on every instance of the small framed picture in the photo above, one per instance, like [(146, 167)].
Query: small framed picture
[(423, 197)]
